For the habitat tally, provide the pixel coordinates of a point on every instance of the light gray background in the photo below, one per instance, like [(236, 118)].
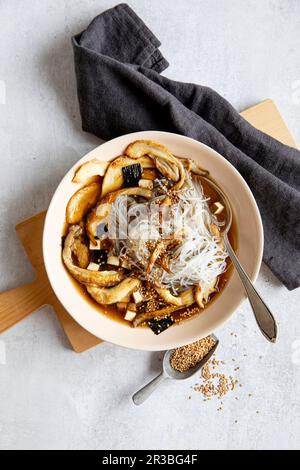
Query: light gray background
[(51, 397)]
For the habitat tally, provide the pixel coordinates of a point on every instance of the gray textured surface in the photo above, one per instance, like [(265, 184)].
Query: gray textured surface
[(49, 396)]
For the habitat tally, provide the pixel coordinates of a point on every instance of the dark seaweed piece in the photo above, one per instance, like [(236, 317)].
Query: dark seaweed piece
[(158, 326), (132, 174), (99, 256)]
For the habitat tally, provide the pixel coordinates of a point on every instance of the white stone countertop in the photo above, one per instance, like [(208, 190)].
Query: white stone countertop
[(53, 398)]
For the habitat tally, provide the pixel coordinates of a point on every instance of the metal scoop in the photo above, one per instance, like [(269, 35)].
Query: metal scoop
[(169, 372), (262, 313)]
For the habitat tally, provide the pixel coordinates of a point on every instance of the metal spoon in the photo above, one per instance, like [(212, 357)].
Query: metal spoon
[(262, 313), (169, 373)]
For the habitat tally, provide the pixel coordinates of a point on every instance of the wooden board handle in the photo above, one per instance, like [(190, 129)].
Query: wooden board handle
[(17, 303)]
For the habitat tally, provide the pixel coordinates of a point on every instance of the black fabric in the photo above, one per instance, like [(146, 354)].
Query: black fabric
[(120, 90)]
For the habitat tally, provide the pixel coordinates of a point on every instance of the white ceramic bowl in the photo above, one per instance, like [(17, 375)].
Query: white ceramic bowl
[(250, 248)]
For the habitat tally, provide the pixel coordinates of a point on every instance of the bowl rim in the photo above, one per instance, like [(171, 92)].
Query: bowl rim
[(152, 135)]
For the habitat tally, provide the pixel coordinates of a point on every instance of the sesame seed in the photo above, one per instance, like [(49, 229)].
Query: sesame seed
[(186, 357)]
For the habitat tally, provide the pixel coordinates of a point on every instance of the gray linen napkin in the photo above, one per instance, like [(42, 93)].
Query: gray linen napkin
[(120, 90)]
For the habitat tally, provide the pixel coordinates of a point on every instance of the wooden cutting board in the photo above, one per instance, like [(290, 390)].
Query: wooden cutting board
[(266, 117), (20, 302)]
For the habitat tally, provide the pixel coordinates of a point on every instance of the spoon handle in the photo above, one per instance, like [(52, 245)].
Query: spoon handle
[(145, 392), (263, 315)]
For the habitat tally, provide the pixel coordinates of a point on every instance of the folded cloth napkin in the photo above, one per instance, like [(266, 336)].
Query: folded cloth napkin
[(120, 90)]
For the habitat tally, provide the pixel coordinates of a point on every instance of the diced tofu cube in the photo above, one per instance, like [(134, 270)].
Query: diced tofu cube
[(147, 184), (130, 315), (114, 260), (219, 208), (93, 267), (97, 246), (137, 297)]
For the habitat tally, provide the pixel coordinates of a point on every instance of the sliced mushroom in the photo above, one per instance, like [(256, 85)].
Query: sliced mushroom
[(113, 179), (197, 170), (98, 215), (126, 298), (139, 148), (166, 295), (81, 202), (159, 248), (160, 154), (214, 230), (81, 253), (167, 169), (192, 166), (90, 171), (147, 184), (184, 299), (95, 278), (143, 317), (114, 294), (187, 297), (149, 173), (198, 296), (202, 293), (209, 289), (164, 263), (101, 212)]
